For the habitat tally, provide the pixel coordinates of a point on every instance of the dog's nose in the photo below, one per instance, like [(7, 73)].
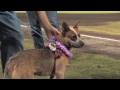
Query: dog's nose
[(82, 43)]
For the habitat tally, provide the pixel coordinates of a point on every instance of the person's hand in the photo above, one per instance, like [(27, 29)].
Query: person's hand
[(52, 32)]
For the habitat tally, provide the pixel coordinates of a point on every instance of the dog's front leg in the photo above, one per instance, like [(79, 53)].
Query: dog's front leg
[(59, 75), (53, 76)]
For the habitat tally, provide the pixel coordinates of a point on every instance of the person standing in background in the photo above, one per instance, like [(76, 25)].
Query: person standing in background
[(35, 24)]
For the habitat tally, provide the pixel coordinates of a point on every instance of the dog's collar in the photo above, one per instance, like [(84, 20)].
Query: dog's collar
[(61, 47)]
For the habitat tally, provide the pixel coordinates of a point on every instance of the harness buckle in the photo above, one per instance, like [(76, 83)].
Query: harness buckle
[(52, 46)]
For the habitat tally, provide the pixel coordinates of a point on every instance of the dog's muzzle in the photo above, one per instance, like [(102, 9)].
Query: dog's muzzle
[(81, 43), (78, 44)]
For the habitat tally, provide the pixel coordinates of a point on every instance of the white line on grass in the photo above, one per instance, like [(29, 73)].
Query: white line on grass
[(101, 38), (108, 39)]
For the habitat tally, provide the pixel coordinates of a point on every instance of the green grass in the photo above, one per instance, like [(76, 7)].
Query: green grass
[(112, 28), (82, 12), (86, 66), (28, 44), (92, 66)]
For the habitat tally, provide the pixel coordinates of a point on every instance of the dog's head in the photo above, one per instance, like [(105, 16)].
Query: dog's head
[(71, 36)]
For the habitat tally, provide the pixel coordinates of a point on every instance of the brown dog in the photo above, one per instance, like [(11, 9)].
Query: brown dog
[(27, 63)]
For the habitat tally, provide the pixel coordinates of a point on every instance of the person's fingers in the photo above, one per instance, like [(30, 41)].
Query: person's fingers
[(56, 32), (53, 32)]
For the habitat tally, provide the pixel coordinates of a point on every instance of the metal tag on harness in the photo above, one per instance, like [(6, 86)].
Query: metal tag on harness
[(52, 46)]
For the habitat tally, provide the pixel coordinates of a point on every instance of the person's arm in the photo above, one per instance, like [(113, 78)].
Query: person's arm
[(50, 30)]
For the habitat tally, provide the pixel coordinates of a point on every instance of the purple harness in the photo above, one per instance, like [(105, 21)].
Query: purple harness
[(61, 47)]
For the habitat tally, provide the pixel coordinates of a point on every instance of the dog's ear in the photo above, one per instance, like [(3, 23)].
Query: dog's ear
[(65, 28), (76, 25)]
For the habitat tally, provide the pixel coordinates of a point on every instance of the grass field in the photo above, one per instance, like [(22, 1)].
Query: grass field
[(92, 66), (85, 66), (111, 28), (88, 66), (82, 12)]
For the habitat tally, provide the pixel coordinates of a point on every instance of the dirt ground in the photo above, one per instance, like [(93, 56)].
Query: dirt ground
[(94, 46)]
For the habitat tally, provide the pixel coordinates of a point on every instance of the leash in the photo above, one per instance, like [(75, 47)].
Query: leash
[(52, 47), (27, 26)]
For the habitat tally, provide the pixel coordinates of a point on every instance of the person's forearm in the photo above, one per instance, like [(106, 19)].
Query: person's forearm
[(44, 20), (50, 30)]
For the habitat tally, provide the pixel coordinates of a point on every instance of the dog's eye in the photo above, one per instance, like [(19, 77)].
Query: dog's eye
[(74, 38)]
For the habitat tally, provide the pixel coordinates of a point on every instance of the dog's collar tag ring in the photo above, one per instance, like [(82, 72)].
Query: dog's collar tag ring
[(52, 46)]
